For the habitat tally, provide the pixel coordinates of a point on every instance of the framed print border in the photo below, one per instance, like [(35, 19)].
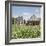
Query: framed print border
[(8, 20)]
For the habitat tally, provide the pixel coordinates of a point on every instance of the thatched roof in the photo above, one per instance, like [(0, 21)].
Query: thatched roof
[(19, 18), (34, 18)]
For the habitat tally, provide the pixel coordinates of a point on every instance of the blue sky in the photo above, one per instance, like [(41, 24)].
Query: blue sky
[(26, 12)]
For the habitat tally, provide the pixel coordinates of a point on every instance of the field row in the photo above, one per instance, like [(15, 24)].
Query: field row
[(23, 31)]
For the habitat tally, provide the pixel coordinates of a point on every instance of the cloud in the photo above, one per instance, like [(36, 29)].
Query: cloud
[(14, 16), (26, 15), (37, 11)]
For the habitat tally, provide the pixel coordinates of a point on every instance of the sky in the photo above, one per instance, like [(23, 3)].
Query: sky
[(26, 12)]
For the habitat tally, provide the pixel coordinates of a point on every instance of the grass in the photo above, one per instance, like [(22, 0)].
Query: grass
[(23, 31)]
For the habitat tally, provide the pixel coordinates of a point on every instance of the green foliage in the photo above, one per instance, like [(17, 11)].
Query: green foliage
[(23, 31)]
